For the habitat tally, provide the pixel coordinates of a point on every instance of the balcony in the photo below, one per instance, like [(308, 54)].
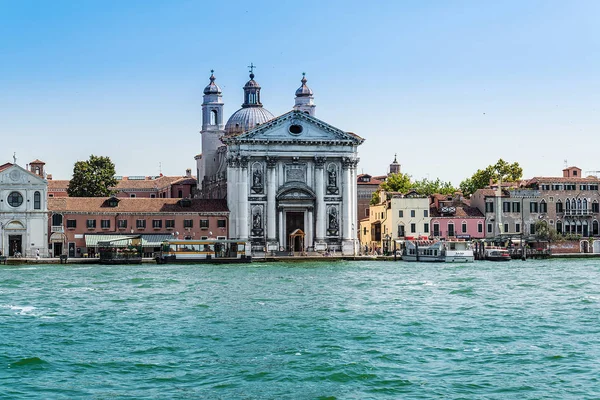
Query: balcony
[(57, 229), (578, 213)]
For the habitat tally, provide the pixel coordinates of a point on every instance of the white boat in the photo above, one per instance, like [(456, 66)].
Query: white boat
[(437, 251), (494, 253), (458, 251)]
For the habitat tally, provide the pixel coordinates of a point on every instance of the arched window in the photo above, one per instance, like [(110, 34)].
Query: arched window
[(559, 227), (595, 228), (567, 204), (451, 229), (214, 117), (37, 201), (543, 206), (436, 229), (585, 205), (559, 206), (579, 204)]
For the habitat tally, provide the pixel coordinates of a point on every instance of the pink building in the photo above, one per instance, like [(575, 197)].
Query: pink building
[(77, 224), (453, 217)]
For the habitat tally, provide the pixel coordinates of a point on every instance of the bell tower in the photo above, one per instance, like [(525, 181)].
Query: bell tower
[(304, 98), (212, 129)]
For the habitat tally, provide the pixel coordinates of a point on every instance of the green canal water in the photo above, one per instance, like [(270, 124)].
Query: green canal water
[(343, 330)]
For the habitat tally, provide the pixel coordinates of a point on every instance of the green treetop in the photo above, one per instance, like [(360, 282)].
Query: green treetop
[(92, 178)]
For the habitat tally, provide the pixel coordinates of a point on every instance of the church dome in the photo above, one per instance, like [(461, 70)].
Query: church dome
[(303, 91), (212, 87), (247, 118)]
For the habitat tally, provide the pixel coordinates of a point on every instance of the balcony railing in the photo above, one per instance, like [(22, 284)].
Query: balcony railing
[(57, 229), (578, 212)]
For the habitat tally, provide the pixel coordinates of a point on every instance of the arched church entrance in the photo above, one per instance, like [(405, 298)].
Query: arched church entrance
[(296, 202)]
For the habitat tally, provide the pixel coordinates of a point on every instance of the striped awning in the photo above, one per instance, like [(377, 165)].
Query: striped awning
[(149, 240)]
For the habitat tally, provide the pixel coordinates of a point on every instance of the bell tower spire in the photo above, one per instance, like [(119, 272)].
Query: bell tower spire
[(252, 91), (304, 98), (212, 129)]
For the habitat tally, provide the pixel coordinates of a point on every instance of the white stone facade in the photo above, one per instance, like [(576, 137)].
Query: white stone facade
[(23, 212), (294, 172)]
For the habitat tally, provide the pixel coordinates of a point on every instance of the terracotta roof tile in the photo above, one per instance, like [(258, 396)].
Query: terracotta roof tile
[(125, 184), (548, 179), (130, 205), (4, 166)]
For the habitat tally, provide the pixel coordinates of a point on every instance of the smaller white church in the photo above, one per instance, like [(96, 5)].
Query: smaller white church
[(23, 210), (290, 181)]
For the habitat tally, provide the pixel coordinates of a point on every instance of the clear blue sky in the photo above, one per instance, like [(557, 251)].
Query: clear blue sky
[(451, 86)]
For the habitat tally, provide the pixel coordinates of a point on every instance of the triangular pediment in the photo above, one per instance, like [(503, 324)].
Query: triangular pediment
[(296, 127), (18, 175)]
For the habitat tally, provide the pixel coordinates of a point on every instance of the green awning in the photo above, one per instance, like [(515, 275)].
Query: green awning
[(115, 240), (155, 240)]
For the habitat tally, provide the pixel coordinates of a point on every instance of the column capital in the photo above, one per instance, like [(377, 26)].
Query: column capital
[(320, 161), (348, 162), (271, 161), (243, 160)]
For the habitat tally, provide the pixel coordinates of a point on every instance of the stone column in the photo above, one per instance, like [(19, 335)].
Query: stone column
[(347, 199), (243, 199), (232, 202), (320, 212), (310, 229), (282, 239), (271, 202)]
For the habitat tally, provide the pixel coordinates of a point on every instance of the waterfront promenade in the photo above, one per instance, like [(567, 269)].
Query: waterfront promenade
[(258, 259)]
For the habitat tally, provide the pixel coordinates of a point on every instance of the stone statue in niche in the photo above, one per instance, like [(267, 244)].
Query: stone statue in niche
[(332, 180), (257, 181), (333, 226), (257, 225)]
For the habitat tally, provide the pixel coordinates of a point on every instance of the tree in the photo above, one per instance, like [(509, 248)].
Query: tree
[(543, 231), (501, 171), (426, 187), (397, 183), (93, 178)]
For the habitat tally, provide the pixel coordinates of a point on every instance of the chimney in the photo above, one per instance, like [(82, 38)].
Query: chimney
[(188, 173)]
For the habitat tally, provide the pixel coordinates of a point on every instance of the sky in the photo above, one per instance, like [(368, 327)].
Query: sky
[(448, 86)]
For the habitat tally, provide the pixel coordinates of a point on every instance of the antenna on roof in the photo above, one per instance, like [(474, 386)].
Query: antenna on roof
[(160, 168), (566, 163)]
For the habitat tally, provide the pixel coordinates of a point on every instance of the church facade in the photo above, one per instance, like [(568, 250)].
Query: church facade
[(290, 181), (23, 210)]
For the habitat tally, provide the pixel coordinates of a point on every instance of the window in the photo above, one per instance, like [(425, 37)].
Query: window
[(464, 227), (533, 207), (122, 224), (595, 207), (364, 231), (489, 207), (37, 201), (152, 196), (505, 228), (50, 194), (518, 228), (204, 223), (140, 223), (221, 223), (559, 227), (559, 206), (595, 228), (400, 230), (506, 206), (436, 229), (72, 223), (425, 213), (105, 223), (532, 229), (426, 227), (543, 207), (480, 227), (157, 223), (489, 228), (412, 213), (132, 195), (91, 223), (57, 219), (401, 213), (15, 199), (516, 207), (546, 187), (367, 212), (451, 229), (413, 228), (180, 193), (574, 173), (188, 223), (170, 224)]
